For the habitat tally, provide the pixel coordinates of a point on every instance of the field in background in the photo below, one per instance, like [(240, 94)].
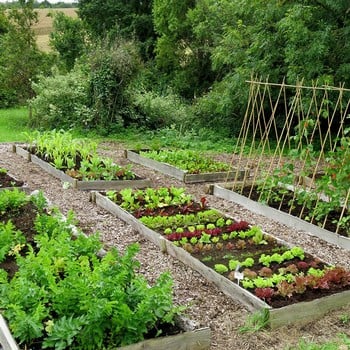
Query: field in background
[(43, 28)]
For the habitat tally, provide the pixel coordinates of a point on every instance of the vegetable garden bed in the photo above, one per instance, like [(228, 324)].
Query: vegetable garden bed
[(201, 169), (8, 181), (136, 182), (291, 285), (226, 192), (51, 276)]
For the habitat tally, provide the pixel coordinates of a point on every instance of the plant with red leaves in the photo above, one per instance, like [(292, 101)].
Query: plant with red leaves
[(302, 265), (264, 293)]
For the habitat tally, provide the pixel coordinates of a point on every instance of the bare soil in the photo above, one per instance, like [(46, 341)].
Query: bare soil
[(206, 304), (7, 180)]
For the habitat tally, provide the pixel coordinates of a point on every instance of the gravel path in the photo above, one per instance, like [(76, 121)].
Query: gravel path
[(206, 304)]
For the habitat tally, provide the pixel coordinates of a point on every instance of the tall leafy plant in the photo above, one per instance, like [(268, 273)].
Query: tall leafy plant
[(68, 38), (61, 100), (112, 66)]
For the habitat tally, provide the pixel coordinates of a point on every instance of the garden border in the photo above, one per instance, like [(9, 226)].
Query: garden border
[(220, 191), (180, 174), (80, 185), (192, 338), (300, 312)]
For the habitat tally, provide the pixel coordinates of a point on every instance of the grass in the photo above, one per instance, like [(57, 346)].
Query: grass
[(13, 122), (340, 343)]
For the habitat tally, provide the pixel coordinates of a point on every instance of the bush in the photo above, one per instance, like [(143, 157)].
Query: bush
[(61, 101), (113, 66), (156, 111), (223, 108)]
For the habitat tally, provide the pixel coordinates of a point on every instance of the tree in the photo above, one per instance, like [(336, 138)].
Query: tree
[(20, 59), (131, 19), (68, 38), (112, 67), (182, 59)]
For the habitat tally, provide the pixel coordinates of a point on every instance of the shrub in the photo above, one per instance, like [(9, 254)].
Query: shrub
[(156, 111), (61, 101), (112, 67)]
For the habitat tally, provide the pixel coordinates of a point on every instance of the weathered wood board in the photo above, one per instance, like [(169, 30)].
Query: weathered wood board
[(300, 312), (189, 339), (6, 340), (98, 185), (182, 175), (279, 216)]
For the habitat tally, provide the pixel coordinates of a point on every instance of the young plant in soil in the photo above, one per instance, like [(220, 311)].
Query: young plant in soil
[(188, 160), (328, 203), (151, 201), (275, 273), (77, 158), (54, 299), (7, 180)]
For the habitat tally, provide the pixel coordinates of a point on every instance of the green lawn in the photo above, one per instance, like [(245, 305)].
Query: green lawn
[(13, 122)]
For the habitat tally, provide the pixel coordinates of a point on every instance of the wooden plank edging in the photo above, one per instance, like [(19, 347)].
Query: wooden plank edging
[(281, 217), (190, 340), (81, 185), (6, 339), (154, 164), (299, 312), (180, 174), (304, 312)]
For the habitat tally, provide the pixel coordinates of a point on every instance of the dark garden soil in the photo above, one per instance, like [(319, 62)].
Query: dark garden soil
[(299, 211), (23, 218), (222, 256), (7, 180), (206, 304)]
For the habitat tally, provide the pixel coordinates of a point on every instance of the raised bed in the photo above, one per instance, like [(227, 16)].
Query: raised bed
[(80, 185), (180, 174), (189, 336), (190, 339), (299, 312), (221, 191)]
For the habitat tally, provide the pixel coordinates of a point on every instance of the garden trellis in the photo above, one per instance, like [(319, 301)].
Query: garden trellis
[(294, 144)]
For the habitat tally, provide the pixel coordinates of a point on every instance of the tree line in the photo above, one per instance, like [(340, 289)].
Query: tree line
[(158, 63)]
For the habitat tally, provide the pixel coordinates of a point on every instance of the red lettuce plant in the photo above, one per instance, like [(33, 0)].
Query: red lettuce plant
[(264, 293)]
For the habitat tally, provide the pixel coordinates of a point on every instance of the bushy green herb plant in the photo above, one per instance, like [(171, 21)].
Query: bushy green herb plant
[(10, 238), (12, 199), (64, 295)]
